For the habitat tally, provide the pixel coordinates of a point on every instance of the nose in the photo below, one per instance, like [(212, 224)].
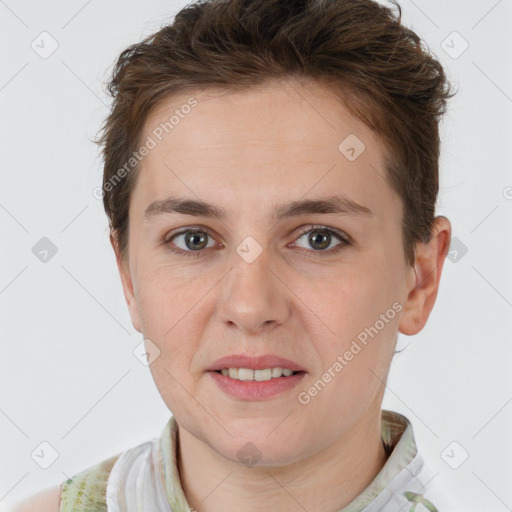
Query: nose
[(254, 296)]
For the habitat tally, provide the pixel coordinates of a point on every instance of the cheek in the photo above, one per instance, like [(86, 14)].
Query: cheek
[(358, 309), (172, 315), (345, 301), (163, 297)]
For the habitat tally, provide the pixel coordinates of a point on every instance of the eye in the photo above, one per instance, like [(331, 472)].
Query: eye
[(320, 238), (193, 241)]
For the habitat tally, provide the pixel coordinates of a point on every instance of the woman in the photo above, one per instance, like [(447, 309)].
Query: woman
[(270, 178)]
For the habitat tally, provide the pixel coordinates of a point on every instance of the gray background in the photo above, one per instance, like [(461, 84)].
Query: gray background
[(68, 373)]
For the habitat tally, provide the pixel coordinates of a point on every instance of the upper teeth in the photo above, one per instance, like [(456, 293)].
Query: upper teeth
[(259, 375)]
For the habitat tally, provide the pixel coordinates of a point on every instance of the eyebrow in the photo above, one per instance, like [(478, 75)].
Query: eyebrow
[(333, 204)]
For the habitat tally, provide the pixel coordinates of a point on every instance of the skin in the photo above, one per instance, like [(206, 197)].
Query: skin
[(247, 152), (47, 500)]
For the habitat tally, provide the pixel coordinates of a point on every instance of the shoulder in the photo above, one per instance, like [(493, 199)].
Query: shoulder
[(87, 490), (44, 501), (84, 491)]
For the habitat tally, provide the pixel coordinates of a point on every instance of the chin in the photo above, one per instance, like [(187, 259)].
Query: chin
[(259, 448)]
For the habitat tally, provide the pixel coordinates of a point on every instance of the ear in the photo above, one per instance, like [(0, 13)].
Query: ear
[(126, 281), (428, 265)]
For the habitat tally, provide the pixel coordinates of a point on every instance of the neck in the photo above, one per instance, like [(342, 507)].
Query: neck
[(325, 482)]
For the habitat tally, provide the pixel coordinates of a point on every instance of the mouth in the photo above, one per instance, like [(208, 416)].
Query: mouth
[(247, 384), (261, 375), (247, 377), (255, 363)]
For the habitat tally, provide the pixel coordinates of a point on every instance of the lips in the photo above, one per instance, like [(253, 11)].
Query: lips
[(254, 362)]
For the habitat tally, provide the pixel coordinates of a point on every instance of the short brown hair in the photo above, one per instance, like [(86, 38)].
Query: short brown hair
[(379, 68)]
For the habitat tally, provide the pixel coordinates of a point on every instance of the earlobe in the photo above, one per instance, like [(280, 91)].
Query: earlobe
[(127, 284), (427, 268)]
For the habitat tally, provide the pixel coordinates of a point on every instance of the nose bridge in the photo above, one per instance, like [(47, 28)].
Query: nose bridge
[(252, 295)]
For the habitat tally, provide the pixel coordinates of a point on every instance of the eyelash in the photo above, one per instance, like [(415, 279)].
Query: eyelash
[(312, 227)]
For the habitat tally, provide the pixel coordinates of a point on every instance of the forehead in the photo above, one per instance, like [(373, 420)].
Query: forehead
[(282, 138)]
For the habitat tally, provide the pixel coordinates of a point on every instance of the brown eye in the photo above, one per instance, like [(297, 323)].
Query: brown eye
[(321, 237), (195, 240), (190, 242)]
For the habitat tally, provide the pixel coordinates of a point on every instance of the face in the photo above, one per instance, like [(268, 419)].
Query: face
[(306, 285)]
